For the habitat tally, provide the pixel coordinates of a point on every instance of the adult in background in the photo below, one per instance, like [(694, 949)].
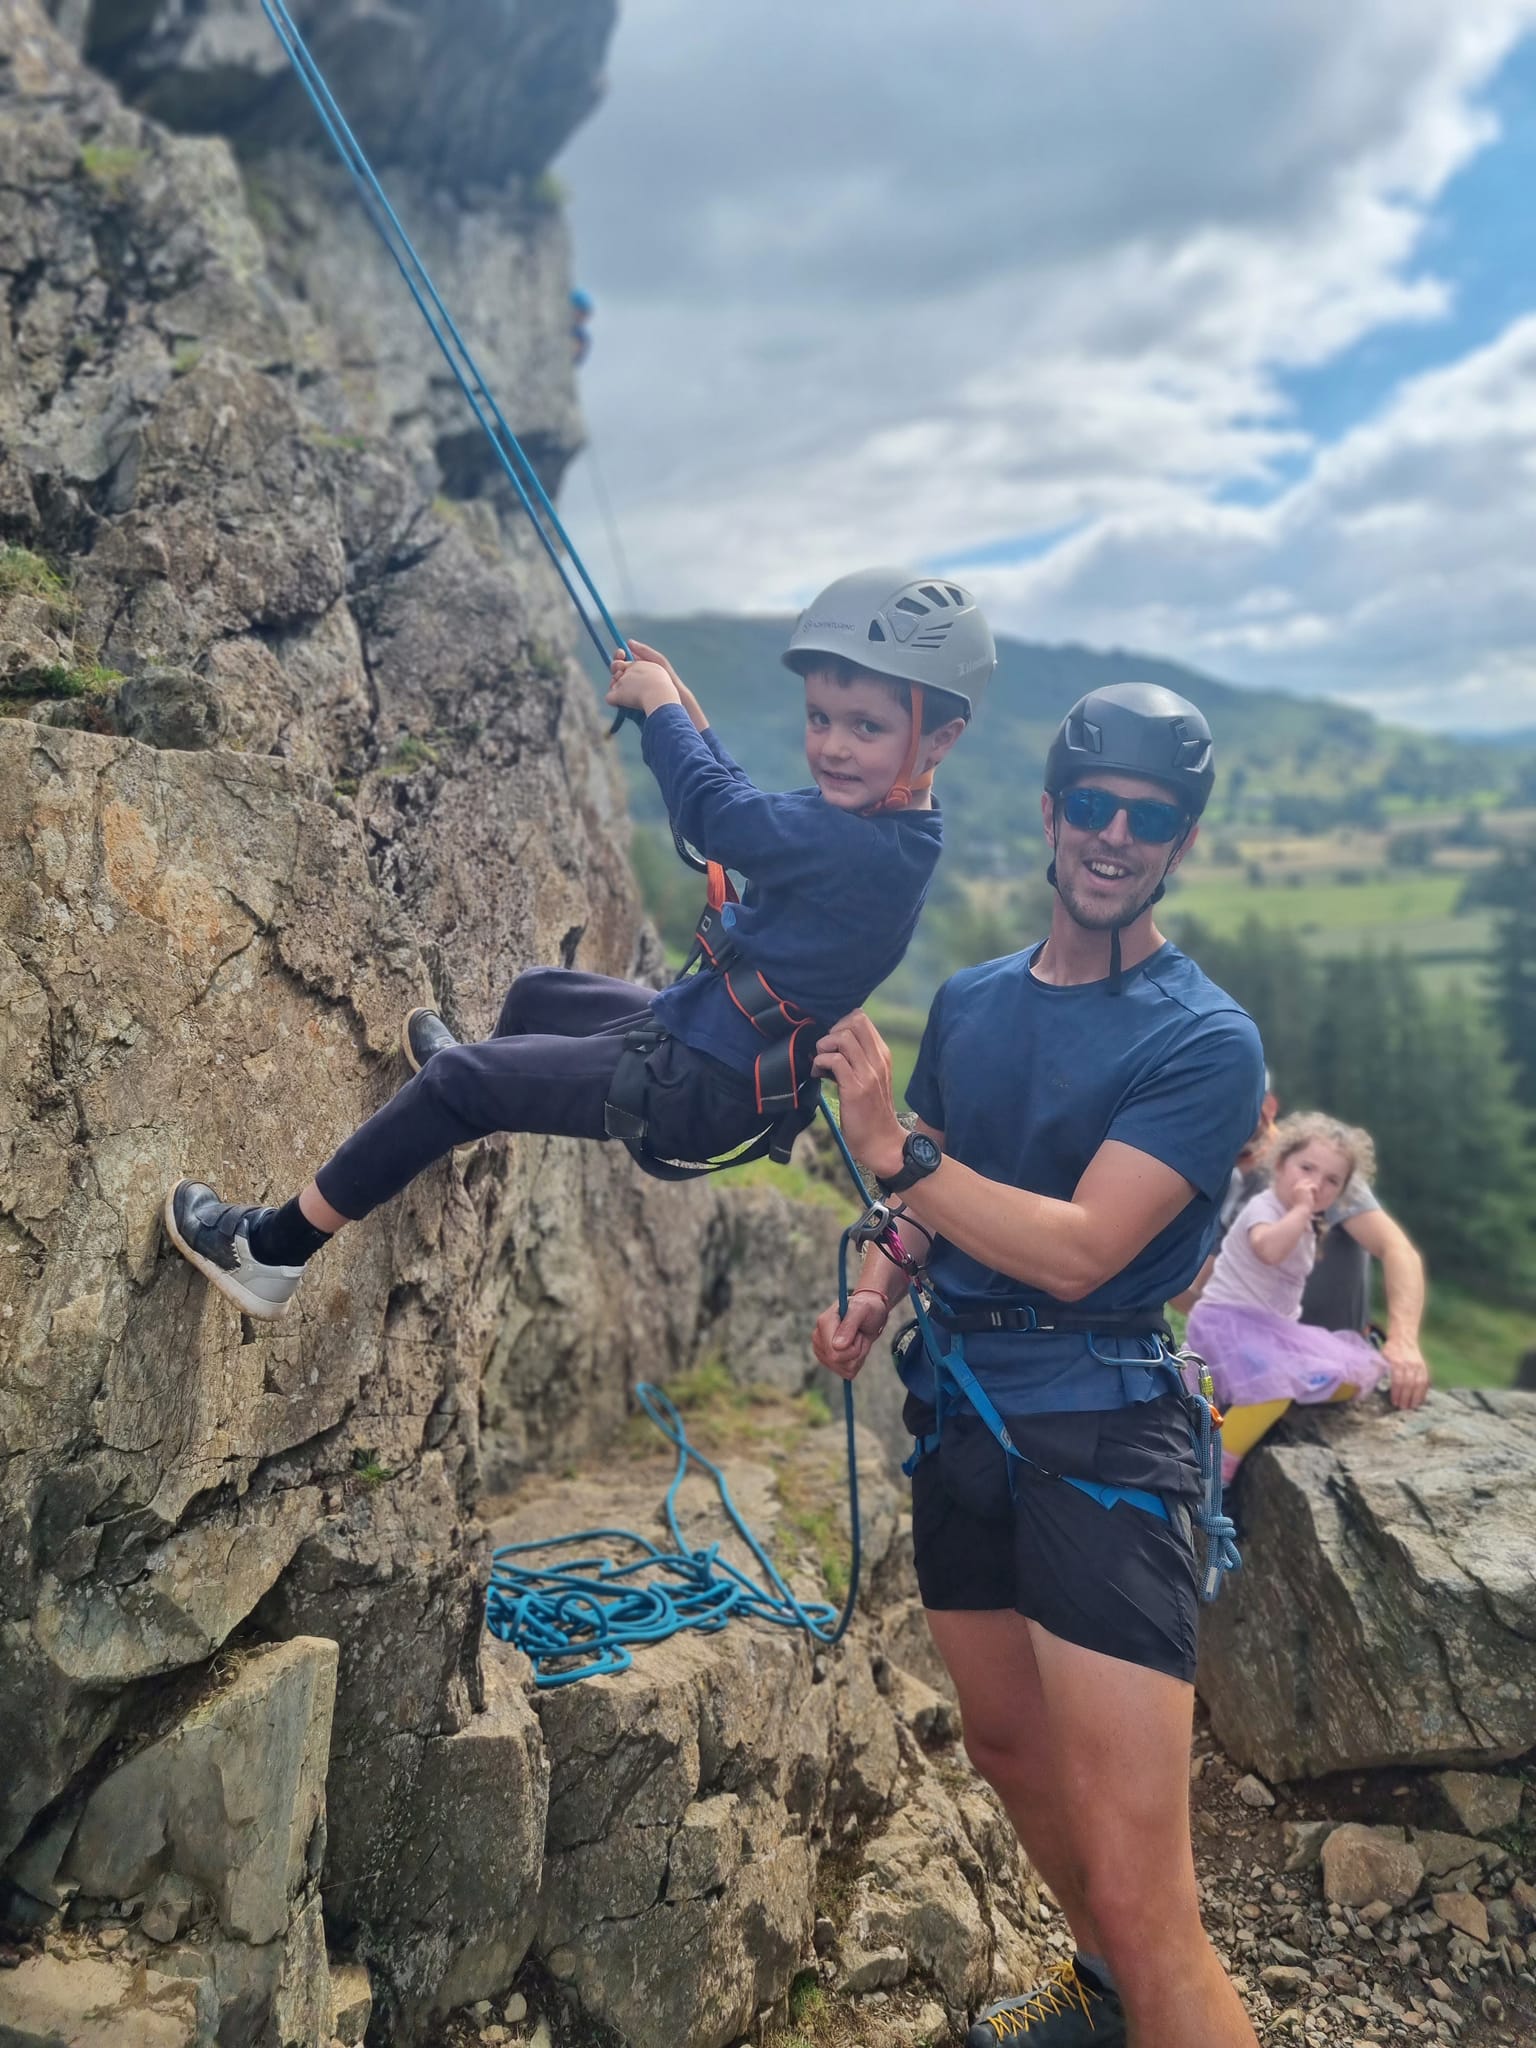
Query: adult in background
[(1079, 1108)]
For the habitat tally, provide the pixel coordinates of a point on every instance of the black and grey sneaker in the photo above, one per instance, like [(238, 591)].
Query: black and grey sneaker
[(422, 1034), (216, 1237), (1069, 2010)]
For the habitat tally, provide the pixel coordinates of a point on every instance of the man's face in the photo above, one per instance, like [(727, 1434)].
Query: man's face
[(856, 738), (1104, 877)]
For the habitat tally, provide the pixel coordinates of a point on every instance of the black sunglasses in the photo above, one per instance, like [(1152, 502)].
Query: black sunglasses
[(1093, 810)]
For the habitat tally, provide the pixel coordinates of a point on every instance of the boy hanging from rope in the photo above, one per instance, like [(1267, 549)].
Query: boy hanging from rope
[(892, 665)]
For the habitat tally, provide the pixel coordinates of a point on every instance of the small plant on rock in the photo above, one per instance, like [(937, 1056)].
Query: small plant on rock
[(112, 170), (24, 574), (407, 755)]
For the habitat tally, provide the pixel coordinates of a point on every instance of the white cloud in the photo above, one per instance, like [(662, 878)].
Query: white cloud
[(894, 280)]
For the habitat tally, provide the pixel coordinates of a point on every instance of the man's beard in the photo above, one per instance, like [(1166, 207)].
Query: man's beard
[(1105, 919)]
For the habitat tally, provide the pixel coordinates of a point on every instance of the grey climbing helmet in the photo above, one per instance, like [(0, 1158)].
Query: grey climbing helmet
[(1136, 729), (925, 630)]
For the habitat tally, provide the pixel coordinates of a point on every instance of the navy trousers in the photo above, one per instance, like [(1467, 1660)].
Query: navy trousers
[(547, 1067)]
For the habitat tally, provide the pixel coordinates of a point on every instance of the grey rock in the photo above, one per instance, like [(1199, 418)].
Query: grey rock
[(1386, 1612), (169, 1908), (174, 708), (1446, 1855), (51, 2001), (1482, 1801), (229, 1800), (222, 67), (915, 1894), (867, 1970), (1304, 1841), (351, 2002), (1365, 1863), (1254, 1792)]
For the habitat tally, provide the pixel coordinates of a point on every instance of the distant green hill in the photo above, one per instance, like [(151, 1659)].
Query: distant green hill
[(1299, 763)]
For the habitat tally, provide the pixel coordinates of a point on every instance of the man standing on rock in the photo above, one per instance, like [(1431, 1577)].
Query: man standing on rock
[(1079, 1108)]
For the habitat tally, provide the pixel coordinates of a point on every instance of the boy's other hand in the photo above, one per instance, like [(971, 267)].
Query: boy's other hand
[(641, 652), (685, 696), (640, 685)]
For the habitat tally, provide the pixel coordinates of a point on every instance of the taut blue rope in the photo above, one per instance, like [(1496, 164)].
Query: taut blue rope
[(456, 351)]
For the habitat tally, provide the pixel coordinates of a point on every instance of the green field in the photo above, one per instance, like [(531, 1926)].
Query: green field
[(1470, 1342)]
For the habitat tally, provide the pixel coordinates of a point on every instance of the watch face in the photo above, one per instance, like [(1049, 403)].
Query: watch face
[(922, 1152)]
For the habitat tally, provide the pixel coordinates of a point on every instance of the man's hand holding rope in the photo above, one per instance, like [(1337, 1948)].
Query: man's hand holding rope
[(857, 1061)]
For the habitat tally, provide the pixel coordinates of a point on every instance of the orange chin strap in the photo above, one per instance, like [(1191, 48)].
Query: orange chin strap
[(907, 784)]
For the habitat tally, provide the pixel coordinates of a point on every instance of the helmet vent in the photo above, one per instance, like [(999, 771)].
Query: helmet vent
[(958, 595), (936, 596), (876, 630), (910, 604)]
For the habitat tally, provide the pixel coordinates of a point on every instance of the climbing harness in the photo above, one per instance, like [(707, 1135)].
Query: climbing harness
[(781, 1074), (942, 1334), (467, 374)]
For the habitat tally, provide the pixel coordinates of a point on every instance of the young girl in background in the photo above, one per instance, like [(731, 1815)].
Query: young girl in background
[(1246, 1324)]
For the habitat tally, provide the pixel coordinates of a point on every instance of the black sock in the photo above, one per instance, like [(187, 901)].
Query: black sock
[(1097, 1971), (286, 1237)]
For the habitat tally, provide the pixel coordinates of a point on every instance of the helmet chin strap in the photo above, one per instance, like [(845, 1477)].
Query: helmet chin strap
[(1116, 980), (908, 784)]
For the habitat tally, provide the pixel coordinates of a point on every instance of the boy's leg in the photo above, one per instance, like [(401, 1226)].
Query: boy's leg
[(557, 1086), (568, 1004)]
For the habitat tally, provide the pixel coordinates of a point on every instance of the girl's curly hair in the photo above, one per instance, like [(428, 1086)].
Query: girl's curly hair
[(1309, 1125)]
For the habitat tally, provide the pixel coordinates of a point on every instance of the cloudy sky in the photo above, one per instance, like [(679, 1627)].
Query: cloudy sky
[(1204, 330)]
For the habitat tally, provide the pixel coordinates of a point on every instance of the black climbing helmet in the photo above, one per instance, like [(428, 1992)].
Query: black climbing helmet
[(926, 631), (1136, 729)]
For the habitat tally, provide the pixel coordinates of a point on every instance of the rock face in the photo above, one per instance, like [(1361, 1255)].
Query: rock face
[(256, 798), (1386, 1611)]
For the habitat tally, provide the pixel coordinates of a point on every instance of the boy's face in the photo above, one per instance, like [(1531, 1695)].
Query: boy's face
[(856, 737)]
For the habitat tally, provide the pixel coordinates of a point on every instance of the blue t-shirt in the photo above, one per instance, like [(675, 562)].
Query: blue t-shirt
[(832, 899), (1026, 1081)]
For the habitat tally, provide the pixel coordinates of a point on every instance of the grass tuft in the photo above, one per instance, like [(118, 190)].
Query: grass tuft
[(113, 170), (88, 679), (24, 574), (407, 755)]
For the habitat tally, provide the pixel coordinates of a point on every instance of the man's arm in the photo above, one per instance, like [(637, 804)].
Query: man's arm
[(1066, 1249), (1402, 1274)]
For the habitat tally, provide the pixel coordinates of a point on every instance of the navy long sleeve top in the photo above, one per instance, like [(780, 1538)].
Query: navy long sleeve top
[(832, 898)]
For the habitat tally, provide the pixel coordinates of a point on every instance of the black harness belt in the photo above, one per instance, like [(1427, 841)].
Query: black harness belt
[(781, 1075), (1098, 1322)]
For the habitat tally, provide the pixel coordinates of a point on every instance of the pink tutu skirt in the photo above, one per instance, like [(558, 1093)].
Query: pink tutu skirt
[(1257, 1356)]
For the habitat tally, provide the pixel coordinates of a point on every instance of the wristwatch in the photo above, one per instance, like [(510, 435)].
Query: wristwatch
[(920, 1156)]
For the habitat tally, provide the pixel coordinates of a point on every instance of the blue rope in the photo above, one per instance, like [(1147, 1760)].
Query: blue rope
[(456, 351), (1220, 1531), (583, 1617)]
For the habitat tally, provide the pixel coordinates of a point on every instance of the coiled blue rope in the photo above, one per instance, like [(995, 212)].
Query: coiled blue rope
[(583, 1616)]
